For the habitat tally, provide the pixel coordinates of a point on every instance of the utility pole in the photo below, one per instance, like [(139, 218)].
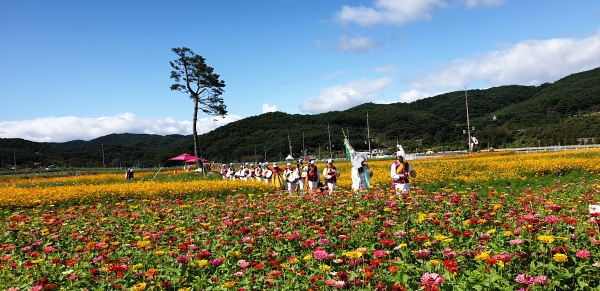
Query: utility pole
[(303, 148), (368, 133), (468, 124), (290, 143), (15, 158), (103, 164), (330, 149)]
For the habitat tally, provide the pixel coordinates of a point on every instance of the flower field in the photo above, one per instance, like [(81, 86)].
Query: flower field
[(100, 232)]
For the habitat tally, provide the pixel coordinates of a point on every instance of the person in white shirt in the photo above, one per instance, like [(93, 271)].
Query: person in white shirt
[(331, 173), (400, 174), (302, 175), (291, 176)]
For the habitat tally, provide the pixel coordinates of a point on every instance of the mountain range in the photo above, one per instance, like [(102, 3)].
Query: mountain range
[(564, 112)]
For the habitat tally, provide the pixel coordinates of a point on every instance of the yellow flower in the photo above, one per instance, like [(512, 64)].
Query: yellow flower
[(500, 263), (353, 255), (434, 263), (284, 265), (448, 240), (439, 237), (202, 263), (483, 256), (508, 233), (229, 284), (307, 257), (402, 245), (293, 260), (560, 258), (159, 253), (546, 239), (235, 254), (427, 244), (139, 286), (491, 231), (324, 268)]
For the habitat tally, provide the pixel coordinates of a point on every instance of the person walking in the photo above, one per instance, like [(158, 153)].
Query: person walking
[(258, 173), (277, 178), (331, 173), (313, 177), (361, 177), (400, 174), (291, 176), (302, 172)]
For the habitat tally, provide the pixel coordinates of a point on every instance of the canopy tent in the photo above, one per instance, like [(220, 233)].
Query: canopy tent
[(289, 158), (188, 158)]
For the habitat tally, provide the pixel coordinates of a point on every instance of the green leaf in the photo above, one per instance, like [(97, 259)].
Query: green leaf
[(477, 287)]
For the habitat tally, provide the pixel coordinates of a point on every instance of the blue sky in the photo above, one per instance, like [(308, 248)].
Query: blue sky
[(83, 69)]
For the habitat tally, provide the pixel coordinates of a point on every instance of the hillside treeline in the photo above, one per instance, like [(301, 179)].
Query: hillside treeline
[(564, 112)]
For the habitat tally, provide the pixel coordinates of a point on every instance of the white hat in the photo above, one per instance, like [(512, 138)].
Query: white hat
[(231, 164), (312, 161), (246, 163), (274, 164), (300, 161), (288, 164), (399, 154), (330, 161), (251, 165)]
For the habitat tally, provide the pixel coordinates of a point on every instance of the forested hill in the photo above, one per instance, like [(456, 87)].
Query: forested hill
[(558, 113)]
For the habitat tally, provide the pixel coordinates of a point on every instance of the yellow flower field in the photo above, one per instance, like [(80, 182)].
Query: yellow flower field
[(480, 168)]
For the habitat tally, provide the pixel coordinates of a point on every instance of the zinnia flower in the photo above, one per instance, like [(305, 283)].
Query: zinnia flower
[(432, 279), (583, 254), (560, 258), (524, 279)]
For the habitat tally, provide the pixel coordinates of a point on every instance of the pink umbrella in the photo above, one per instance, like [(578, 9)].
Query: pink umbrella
[(185, 157)]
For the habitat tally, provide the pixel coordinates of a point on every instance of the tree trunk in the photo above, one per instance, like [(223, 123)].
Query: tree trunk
[(199, 163)]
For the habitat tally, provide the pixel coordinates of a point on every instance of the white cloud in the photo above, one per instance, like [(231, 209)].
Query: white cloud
[(67, 128), (412, 95), (268, 108), (389, 12), (358, 44), (476, 3), (386, 68), (345, 96), (530, 62)]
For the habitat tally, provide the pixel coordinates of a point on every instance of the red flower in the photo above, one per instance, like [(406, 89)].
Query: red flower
[(451, 266), (467, 233), (398, 287)]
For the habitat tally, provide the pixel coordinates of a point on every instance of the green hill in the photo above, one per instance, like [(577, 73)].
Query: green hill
[(562, 112)]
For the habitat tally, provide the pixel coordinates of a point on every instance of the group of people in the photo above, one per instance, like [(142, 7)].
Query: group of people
[(307, 178), (299, 178)]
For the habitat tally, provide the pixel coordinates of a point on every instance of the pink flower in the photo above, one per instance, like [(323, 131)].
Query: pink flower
[(422, 254), (334, 283), (524, 279), (552, 219), (49, 249), (432, 279), (540, 280), (380, 253), (320, 254), (583, 254), (182, 259), (516, 241), (37, 288), (243, 264), (388, 223)]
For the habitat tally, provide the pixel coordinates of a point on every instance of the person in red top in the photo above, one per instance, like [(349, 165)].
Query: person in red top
[(313, 176), (277, 178), (400, 173), (331, 173)]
